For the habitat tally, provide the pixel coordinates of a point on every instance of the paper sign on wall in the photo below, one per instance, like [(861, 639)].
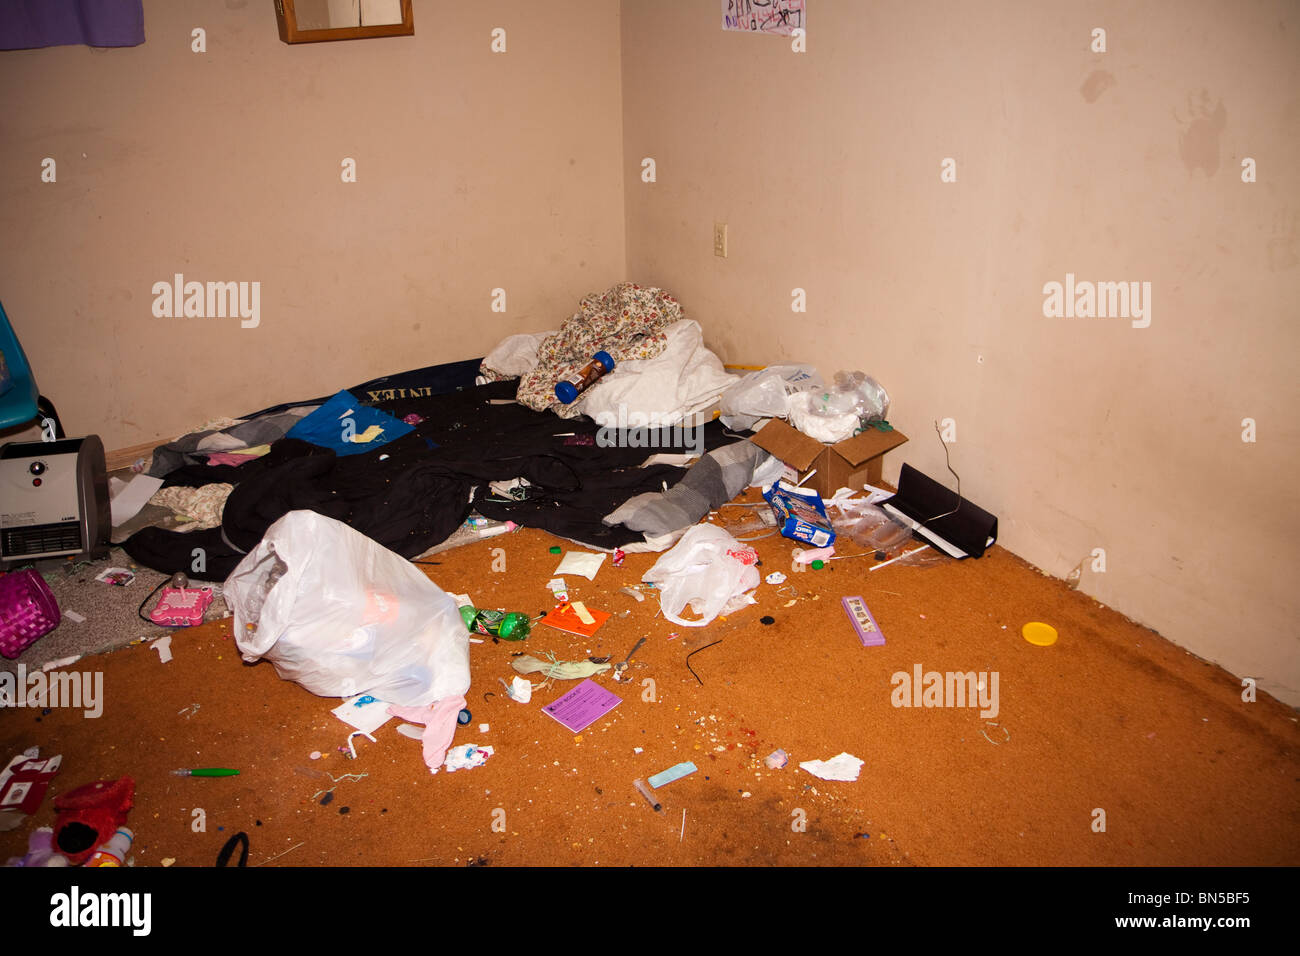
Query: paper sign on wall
[(778, 17)]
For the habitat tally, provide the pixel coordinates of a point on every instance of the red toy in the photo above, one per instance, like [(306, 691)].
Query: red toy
[(90, 815)]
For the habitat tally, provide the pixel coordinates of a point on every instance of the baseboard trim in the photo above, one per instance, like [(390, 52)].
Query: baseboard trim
[(126, 457)]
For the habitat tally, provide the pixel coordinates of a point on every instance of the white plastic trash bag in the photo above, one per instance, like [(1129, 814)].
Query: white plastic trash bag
[(766, 394), (340, 614), (708, 571)]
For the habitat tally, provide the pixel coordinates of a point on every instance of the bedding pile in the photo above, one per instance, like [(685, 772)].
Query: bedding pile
[(662, 375), (626, 321), (198, 447), (416, 490), (405, 459), (678, 384)]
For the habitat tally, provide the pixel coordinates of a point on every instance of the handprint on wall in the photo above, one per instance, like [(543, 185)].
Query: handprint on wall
[(1198, 143), (1282, 244)]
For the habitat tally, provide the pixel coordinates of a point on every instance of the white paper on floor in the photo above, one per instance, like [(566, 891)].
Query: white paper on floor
[(367, 717), (843, 766), (521, 690), (133, 496), (466, 756), (584, 563)]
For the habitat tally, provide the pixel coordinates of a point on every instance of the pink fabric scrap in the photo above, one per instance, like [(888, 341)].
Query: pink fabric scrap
[(229, 458), (439, 720)]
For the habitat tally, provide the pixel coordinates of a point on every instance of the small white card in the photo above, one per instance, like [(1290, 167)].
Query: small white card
[(365, 712), (582, 563)]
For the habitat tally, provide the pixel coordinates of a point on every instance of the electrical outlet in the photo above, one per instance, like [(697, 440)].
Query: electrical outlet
[(720, 239)]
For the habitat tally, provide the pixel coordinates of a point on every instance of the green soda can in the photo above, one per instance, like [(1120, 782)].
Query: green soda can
[(511, 626)]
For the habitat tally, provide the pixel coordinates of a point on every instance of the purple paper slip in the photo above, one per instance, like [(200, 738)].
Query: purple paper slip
[(577, 709)]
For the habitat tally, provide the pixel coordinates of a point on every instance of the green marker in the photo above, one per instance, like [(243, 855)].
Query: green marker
[(207, 772)]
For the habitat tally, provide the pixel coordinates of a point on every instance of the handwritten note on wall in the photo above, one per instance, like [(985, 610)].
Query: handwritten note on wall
[(778, 17)]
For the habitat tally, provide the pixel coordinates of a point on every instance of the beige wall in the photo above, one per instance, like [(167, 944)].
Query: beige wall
[(521, 171), (475, 171), (1079, 433)]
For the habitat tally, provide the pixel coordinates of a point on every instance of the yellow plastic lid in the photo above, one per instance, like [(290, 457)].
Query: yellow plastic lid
[(1036, 632)]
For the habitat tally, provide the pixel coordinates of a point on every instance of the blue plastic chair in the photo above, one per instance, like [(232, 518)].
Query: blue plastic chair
[(19, 396)]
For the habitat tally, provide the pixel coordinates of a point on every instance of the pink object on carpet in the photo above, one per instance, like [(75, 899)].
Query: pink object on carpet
[(439, 720)]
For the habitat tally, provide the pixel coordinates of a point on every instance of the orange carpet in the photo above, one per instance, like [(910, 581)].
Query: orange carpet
[(1111, 718)]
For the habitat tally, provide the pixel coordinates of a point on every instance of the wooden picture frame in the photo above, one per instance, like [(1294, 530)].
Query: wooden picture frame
[(287, 19)]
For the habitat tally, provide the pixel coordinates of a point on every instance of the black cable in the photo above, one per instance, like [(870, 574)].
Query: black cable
[(240, 841), (140, 610), (693, 653)]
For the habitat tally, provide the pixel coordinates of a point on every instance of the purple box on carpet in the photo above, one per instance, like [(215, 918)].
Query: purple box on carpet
[(863, 623)]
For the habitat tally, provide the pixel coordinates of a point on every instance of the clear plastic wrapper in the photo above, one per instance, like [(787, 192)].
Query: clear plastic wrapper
[(872, 528), (766, 394), (867, 397)]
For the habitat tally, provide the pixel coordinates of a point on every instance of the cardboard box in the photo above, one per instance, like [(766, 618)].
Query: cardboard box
[(847, 464)]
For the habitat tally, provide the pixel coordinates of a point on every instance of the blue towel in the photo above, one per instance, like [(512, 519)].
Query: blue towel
[(344, 415)]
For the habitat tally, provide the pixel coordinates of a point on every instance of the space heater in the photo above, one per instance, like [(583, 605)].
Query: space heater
[(53, 500)]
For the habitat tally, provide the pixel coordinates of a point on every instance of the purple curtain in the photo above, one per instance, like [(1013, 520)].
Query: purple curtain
[(25, 24)]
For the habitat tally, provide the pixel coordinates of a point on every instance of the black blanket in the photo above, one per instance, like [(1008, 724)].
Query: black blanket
[(419, 494)]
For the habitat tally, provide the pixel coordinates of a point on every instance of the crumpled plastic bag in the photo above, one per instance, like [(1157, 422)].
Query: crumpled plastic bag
[(707, 571), (341, 615), (515, 355), (820, 420), (868, 398), (840, 412), (766, 394)]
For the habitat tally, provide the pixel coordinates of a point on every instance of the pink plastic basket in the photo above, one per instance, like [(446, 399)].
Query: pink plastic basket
[(28, 611)]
